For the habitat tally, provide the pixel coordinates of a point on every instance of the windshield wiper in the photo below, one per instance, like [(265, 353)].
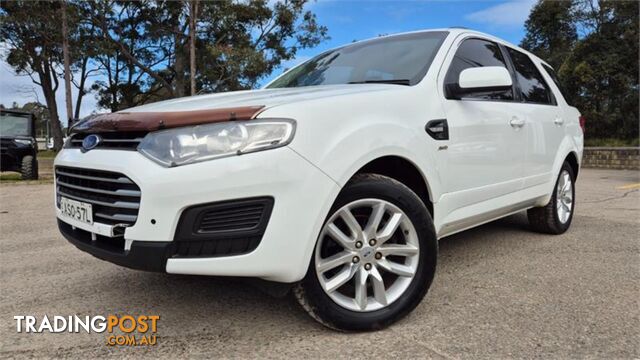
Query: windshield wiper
[(392, 81)]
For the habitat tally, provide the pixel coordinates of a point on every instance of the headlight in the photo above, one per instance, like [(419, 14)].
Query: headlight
[(24, 141), (186, 145)]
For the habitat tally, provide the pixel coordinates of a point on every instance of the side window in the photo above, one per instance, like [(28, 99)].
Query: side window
[(556, 80), (475, 53), (532, 85)]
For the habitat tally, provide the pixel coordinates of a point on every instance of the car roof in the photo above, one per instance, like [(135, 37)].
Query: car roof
[(454, 32), (16, 112), (458, 30)]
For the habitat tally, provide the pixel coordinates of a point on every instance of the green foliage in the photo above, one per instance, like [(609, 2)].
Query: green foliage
[(10, 177), (139, 50), (551, 31), (599, 69), (143, 47), (31, 33)]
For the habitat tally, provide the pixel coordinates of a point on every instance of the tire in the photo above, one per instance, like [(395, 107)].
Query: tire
[(414, 235), (547, 219), (29, 169)]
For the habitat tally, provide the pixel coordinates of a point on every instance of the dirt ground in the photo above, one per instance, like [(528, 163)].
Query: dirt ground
[(500, 291)]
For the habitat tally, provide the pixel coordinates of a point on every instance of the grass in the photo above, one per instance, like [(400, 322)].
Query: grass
[(611, 142), (9, 178)]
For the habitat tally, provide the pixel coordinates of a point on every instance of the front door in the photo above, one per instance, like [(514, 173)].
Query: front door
[(486, 150)]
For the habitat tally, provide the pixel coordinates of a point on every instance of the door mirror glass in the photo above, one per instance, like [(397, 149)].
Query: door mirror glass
[(483, 79)]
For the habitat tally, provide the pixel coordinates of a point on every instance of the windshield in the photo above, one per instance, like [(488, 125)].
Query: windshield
[(15, 125), (401, 59)]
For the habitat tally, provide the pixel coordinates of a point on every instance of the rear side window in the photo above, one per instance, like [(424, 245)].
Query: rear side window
[(556, 80), (532, 85), (475, 53)]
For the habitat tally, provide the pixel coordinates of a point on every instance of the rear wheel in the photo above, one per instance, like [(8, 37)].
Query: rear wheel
[(29, 169), (375, 257), (556, 216)]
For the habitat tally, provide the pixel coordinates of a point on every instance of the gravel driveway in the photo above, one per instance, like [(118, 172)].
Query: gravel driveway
[(500, 291)]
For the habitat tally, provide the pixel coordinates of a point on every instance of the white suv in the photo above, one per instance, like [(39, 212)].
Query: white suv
[(338, 177)]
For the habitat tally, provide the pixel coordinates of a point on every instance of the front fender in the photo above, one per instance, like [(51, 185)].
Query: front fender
[(360, 142)]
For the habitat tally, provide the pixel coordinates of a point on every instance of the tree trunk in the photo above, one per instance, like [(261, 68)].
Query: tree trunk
[(193, 15), (81, 93), (67, 66), (50, 97), (179, 67)]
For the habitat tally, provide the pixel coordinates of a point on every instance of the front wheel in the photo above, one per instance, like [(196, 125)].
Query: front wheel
[(556, 216), (29, 170), (375, 257)]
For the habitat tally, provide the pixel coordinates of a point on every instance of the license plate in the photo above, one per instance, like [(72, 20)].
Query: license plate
[(77, 210)]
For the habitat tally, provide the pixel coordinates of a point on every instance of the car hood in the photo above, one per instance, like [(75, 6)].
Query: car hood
[(259, 98), (203, 109)]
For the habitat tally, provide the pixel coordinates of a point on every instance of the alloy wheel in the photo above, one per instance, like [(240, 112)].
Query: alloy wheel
[(367, 255), (564, 197)]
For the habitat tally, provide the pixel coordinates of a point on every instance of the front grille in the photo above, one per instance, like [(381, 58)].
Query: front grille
[(115, 199), (111, 140)]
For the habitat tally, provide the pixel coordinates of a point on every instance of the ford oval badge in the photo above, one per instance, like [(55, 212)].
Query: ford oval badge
[(90, 142)]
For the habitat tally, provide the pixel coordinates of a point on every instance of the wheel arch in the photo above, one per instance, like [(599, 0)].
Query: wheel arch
[(403, 170), (570, 152), (572, 159)]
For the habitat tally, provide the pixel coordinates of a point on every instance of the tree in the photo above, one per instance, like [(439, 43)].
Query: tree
[(67, 61), (84, 49), (602, 71), (124, 83), (551, 31), (31, 32), (598, 68), (237, 54), (147, 52), (193, 16)]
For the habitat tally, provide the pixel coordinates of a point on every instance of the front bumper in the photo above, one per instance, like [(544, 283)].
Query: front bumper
[(302, 197), (142, 255)]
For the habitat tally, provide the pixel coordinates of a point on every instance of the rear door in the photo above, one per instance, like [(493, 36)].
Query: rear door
[(545, 125)]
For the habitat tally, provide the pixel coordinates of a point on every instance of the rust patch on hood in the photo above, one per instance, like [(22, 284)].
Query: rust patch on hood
[(157, 120)]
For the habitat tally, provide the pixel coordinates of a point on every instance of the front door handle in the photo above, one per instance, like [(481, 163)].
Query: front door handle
[(558, 121), (516, 122)]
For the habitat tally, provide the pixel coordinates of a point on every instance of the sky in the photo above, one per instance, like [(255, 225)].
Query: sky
[(346, 20)]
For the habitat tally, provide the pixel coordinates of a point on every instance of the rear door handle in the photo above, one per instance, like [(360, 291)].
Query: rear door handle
[(516, 122), (558, 121)]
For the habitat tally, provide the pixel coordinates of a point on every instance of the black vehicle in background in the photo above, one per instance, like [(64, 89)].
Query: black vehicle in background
[(18, 147)]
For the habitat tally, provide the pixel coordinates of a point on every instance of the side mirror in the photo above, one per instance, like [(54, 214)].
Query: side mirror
[(483, 79)]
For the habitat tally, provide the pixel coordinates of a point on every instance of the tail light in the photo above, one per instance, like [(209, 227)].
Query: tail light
[(583, 122)]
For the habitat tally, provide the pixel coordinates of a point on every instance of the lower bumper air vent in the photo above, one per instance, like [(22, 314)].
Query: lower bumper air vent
[(223, 228)]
